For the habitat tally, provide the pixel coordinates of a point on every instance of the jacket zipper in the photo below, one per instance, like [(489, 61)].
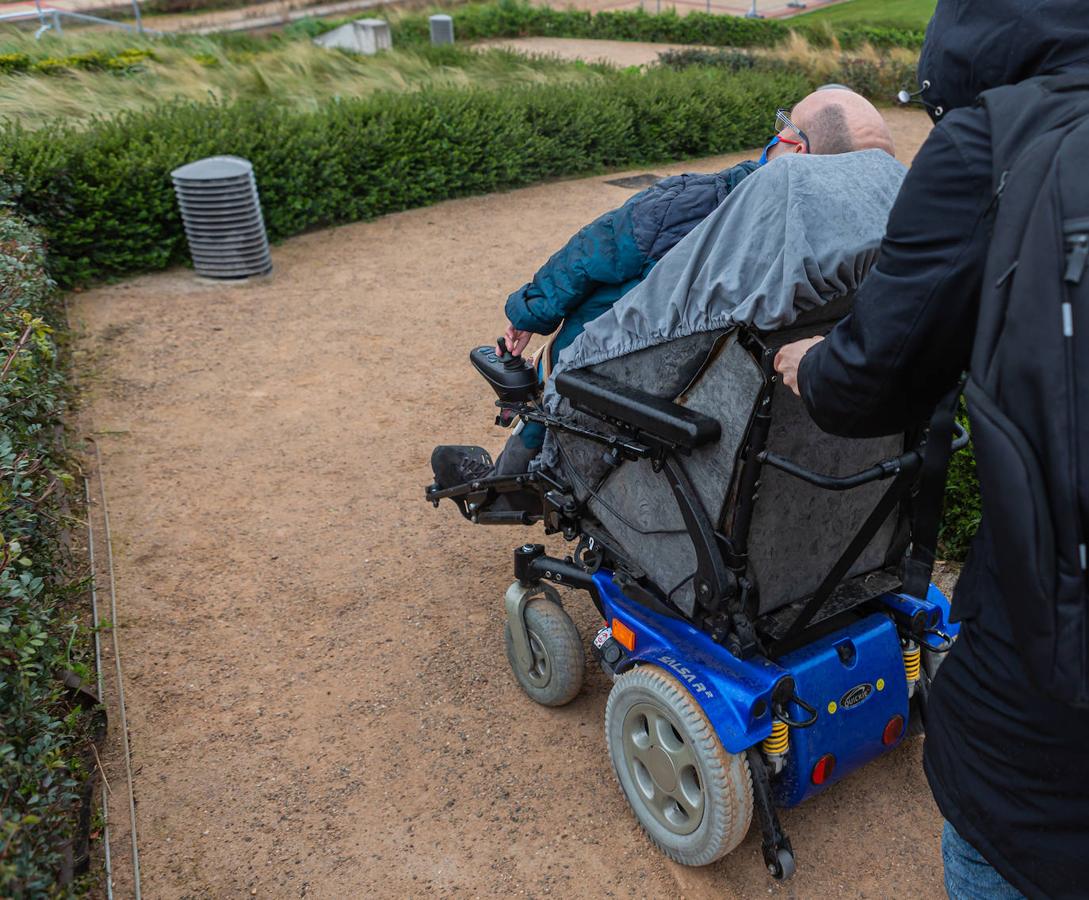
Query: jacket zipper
[(1076, 239), (1077, 255)]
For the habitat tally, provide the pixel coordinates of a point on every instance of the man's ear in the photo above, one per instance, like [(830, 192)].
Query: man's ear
[(797, 148)]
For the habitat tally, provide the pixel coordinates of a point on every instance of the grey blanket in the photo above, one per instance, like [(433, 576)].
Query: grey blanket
[(796, 234)]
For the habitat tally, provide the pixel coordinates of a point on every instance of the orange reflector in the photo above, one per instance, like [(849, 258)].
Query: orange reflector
[(893, 730), (822, 771), (623, 635)]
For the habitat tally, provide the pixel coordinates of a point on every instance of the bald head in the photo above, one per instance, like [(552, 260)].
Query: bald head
[(837, 120)]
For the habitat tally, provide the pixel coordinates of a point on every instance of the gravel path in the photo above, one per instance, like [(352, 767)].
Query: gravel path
[(318, 696)]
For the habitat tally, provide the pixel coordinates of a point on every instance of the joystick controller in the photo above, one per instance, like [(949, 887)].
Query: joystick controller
[(511, 377)]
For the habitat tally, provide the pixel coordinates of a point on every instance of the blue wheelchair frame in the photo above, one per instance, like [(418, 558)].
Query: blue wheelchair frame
[(855, 674)]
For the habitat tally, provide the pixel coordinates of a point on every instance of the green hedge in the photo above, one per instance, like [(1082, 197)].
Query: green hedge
[(963, 508), (880, 77), (516, 19), (42, 738), (103, 196)]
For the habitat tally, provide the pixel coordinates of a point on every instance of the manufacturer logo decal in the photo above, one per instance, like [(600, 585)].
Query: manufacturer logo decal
[(855, 696), (687, 675)]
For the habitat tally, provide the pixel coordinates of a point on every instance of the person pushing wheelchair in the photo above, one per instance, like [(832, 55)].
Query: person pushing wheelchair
[(982, 267)]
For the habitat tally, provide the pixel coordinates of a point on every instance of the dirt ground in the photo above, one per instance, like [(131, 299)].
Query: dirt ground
[(316, 686)]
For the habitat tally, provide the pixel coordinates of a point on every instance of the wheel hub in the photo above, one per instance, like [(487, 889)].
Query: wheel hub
[(663, 767)]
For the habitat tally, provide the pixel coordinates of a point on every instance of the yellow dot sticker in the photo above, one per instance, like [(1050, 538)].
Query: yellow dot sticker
[(881, 684), (832, 707)]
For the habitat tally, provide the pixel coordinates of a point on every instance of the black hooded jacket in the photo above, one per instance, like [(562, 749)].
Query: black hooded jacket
[(1009, 768)]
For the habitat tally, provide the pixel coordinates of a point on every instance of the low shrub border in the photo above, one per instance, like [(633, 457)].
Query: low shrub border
[(44, 739), (876, 77), (104, 201), (479, 21)]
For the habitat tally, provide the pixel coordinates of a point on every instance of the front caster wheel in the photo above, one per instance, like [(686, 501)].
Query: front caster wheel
[(783, 870), (693, 799), (555, 675)]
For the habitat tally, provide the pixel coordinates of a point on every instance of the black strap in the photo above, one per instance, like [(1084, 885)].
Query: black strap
[(859, 542), (918, 564)]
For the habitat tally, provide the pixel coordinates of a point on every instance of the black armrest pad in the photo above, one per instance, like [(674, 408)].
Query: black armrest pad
[(663, 419)]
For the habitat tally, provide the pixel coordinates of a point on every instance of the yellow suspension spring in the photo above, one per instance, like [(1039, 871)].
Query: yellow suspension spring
[(777, 741), (912, 659)]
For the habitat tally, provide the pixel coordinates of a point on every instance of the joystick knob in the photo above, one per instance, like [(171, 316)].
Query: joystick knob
[(508, 360)]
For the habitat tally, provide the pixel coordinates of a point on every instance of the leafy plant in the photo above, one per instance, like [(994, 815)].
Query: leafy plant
[(963, 508), (14, 62), (41, 738)]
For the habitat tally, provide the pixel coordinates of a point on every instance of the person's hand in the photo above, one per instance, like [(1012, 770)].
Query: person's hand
[(516, 340), (789, 358)]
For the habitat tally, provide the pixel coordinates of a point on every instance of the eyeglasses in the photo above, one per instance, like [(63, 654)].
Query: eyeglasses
[(783, 123)]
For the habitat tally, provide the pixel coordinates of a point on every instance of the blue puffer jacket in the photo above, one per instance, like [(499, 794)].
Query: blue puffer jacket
[(612, 254)]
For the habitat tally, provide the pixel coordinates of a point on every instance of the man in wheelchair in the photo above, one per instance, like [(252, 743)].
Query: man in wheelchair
[(615, 252), (786, 247)]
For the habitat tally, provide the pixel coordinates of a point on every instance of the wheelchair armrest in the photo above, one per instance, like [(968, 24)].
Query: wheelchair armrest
[(663, 420)]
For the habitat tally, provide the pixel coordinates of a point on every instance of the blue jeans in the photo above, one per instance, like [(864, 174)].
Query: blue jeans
[(968, 876)]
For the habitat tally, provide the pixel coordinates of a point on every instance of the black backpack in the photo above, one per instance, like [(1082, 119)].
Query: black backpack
[(1028, 389)]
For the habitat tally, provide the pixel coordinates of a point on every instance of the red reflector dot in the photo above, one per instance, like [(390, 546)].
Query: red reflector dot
[(822, 771), (893, 730)]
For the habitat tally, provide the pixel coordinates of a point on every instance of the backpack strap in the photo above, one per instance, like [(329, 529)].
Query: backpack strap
[(918, 564)]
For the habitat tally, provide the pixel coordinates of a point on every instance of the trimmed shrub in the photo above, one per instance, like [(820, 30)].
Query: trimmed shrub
[(475, 22), (42, 737), (872, 77), (730, 60), (510, 18), (104, 199)]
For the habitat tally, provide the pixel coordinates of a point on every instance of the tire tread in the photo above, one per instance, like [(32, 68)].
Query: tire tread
[(728, 773)]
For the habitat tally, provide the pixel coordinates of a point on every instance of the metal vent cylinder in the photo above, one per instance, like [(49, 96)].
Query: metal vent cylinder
[(222, 217), (442, 30)]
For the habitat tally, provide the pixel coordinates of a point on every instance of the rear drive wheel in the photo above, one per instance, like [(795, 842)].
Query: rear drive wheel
[(555, 675), (692, 798)]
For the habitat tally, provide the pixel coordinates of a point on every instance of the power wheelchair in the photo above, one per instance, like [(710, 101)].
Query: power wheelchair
[(748, 571)]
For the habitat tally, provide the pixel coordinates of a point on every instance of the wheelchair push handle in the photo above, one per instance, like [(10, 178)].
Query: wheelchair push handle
[(889, 468)]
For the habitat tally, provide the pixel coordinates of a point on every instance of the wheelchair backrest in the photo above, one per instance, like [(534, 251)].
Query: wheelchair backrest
[(798, 530)]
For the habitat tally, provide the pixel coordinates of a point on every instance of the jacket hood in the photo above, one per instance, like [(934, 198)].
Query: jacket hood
[(974, 45)]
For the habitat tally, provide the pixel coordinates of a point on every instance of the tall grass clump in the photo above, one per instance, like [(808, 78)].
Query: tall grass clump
[(55, 78)]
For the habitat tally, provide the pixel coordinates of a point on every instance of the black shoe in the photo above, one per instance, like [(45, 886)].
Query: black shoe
[(453, 464)]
